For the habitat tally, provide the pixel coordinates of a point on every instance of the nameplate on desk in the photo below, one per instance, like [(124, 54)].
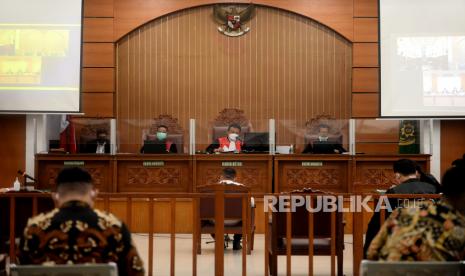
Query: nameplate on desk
[(312, 164), (231, 164), (153, 163), (73, 163)]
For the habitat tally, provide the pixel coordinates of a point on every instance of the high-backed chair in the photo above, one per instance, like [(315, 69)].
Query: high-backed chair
[(299, 243), (336, 128), (109, 269), (227, 117), (375, 268), (175, 131), (232, 214), (89, 132)]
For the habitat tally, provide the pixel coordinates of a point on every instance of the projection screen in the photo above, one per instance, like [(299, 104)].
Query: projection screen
[(422, 50), (40, 55)]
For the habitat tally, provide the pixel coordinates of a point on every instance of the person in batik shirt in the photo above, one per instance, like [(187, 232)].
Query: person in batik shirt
[(76, 233), (427, 232)]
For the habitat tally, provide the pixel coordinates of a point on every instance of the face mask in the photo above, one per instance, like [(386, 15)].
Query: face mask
[(161, 135), (233, 136)]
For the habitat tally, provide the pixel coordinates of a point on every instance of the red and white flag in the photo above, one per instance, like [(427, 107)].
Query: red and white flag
[(67, 134)]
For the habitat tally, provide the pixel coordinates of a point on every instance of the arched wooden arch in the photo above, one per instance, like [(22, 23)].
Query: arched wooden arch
[(332, 13)]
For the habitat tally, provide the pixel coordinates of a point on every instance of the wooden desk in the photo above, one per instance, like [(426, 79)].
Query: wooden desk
[(153, 173), (329, 172), (253, 170), (371, 172), (100, 167)]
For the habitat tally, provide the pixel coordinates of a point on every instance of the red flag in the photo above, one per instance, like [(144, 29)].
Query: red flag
[(67, 134)]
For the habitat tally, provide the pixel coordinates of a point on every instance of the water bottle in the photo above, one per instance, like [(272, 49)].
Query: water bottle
[(16, 185)]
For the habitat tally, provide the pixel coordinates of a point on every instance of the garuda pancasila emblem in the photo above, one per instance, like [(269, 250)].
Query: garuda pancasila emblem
[(232, 19)]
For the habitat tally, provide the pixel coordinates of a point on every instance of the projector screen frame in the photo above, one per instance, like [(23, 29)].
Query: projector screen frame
[(380, 113), (78, 112)]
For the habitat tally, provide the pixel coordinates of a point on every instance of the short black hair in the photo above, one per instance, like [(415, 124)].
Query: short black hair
[(73, 180), (452, 180), (101, 131), (460, 161), (159, 126), (234, 126), (229, 173), (405, 167)]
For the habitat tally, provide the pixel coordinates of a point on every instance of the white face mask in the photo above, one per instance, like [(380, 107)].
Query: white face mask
[(233, 136)]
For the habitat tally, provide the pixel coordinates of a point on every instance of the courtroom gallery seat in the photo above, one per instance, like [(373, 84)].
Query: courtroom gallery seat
[(299, 242), (232, 214), (109, 269), (175, 131), (376, 268), (227, 117)]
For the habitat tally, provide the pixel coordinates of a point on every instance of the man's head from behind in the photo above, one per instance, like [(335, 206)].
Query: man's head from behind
[(233, 131), (452, 184), (74, 184), (404, 169), (229, 174)]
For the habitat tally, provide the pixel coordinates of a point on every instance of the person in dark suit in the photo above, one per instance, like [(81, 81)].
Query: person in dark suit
[(228, 143), (100, 145), (161, 144), (408, 183), (324, 145)]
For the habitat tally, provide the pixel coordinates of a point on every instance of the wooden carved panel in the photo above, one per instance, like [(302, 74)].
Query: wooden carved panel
[(252, 174), (370, 176), (99, 174), (246, 176), (154, 176), (169, 121), (329, 176), (231, 115), (378, 177), (312, 177), (335, 126), (172, 176)]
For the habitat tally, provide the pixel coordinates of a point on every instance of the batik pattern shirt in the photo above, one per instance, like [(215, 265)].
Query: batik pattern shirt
[(76, 233), (428, 232)]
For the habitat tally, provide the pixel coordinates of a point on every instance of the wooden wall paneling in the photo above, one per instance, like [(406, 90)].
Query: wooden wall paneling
[(376, 148), (365, 29), (98, 30), (181, 65), (370, 130), (337, 14), (365, 8), (98, 55), (365, 105), (365, 80), (452, 142), (97, 105), (365, 55), (98, 8), (12, 148), (98, 80)]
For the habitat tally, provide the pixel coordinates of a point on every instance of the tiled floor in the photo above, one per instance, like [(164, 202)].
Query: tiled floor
[(233, 260)]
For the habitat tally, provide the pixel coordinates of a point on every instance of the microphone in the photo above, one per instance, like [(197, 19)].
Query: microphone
[(25, 175)]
